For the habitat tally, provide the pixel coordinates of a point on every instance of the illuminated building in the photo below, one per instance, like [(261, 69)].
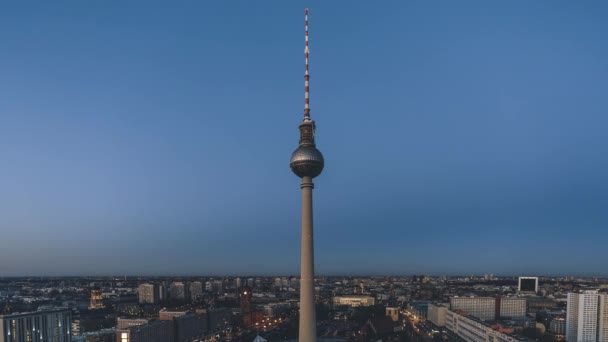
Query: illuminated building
[(96, 299), (49, 325), (354, 301), (125, 323)]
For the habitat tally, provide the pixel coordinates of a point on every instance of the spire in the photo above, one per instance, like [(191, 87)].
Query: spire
[(306, 75)]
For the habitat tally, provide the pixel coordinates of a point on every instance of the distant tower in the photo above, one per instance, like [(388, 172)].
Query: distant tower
[(307, 162)]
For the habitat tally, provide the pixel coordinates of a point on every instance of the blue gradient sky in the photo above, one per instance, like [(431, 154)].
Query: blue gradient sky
[(149, 138)]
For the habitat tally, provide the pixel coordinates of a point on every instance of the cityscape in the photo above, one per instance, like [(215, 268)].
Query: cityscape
[(147, 195), (414, 308)]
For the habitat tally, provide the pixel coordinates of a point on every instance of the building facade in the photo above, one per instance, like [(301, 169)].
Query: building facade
[(436, 313), (587, 317), (50, 325), (191, 327), (167, 315), (472, 329), (107, 335), (196, 291), (527, 284), (557, 326), (483, 308), (159, 331), (96, 299), (178, 291), (125, 323), (354, 301), (511, 308), (148, 294)]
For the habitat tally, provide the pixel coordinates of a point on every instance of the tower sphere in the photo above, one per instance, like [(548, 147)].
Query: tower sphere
[(307, 161)]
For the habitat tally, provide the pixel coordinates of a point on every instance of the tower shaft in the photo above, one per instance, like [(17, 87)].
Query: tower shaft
[(308, 325)]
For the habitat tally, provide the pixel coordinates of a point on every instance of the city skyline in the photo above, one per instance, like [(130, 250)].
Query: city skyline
[(137, 139)]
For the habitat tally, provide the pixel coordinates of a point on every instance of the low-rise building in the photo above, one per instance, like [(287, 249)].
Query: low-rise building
[(125, 323), (472, 329), (557, 326), (158, 331), (354, 301)]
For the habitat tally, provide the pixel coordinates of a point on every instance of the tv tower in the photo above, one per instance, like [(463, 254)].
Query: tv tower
[(307, 163)]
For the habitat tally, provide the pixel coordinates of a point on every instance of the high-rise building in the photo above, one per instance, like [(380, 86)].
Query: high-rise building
[(178, 291), (307, 163), (162, 291), (527, 284), (218, 286), (587, 317), (196, 290), (40, 326), (96, 299), (148, 294)]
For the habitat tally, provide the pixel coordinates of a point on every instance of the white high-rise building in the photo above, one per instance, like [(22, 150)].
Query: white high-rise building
[(587, 317)]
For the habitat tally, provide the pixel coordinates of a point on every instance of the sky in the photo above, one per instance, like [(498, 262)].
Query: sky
[(147, 137)]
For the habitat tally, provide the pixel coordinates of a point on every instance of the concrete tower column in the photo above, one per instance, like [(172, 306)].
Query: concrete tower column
[(308, 326)]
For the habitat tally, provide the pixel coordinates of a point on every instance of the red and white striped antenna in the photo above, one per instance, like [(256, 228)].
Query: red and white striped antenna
[(306, 75)]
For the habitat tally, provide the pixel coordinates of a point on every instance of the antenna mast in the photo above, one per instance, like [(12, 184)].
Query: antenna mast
[(306, 75)]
